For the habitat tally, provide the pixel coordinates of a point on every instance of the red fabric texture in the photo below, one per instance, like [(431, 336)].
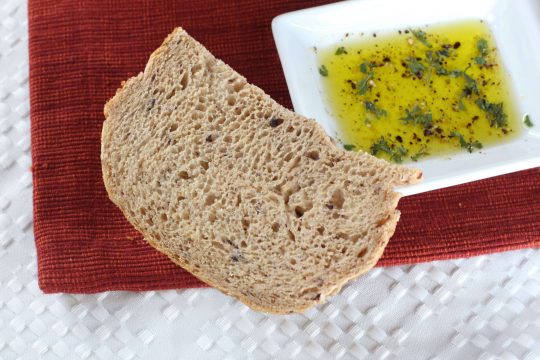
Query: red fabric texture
[(80, 51)]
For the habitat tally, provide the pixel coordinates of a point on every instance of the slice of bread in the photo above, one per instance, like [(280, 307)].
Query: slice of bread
[(248, 196)]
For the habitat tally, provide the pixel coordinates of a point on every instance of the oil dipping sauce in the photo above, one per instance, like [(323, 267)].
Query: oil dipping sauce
[(420, 92)]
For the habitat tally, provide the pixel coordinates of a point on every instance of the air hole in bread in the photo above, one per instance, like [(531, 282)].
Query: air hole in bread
[(275, 121), (142, 211), (204, 164), (231, 100), (218, 245), (381, 222), (185, 215), (343, 236), (227, 138), (210, 199), (320, 230), (184, 81), (299, 211), (163, 217), (313, 155), (295, 163), (245, 224), (362, 253), (243, 244), (212, 217), (171, 94), (183, 175), (275, 227), (173, 127), (196, 68), (337, 199), (292, 261), (291, 235), (239, 85), (288, 157)]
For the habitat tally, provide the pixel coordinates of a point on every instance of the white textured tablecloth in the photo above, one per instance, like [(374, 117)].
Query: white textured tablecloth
[(486, 307)]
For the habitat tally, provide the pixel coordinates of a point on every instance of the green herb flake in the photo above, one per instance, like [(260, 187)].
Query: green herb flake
[(421, 153), (421, 36), (416, 116), (495, 113), (365, 67), (349, 147), (341, 50), (483, 50), (323, 71), (374, 109), (468, 145), (455, 73), (381, 145), (415, 67), (363, 85), (527, 121)]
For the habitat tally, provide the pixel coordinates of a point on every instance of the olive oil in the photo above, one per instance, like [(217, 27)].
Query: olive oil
[(421, 92)]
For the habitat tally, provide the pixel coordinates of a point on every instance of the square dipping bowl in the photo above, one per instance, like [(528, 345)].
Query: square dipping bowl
[(514, 24)]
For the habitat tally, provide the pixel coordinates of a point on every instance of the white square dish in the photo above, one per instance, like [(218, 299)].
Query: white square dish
[(515, 26)]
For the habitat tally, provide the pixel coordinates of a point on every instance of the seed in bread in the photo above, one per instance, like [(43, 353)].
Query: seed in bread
[(248, 196)]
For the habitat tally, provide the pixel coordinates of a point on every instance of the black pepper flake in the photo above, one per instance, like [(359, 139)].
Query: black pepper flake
[(275, 122), (329, 206), (235, 258), (317, 297), (428, 132), (209, 138), (386, 59), (504, 130), (406, 31), (399, 138)]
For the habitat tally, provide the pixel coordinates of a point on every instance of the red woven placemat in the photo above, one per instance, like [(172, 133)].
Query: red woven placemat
[(79, 53)]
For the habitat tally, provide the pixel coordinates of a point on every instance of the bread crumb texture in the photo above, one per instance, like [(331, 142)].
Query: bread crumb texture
[(248, 196)]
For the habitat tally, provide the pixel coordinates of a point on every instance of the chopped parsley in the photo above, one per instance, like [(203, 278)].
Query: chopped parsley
[(374, 109), (470, 88), (483, 50), (421, 36), (416, 116), (495, 113), (341, 50), (421, 153), (527, 121), (349, 147), (415, 66), (366, 67), (396, 153), (323, 71), (468, 145), (364, 84)]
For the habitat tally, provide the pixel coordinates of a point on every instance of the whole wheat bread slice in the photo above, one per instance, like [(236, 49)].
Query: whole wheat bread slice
[(248, 196)]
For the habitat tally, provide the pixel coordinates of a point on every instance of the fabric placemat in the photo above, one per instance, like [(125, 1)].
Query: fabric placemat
[(80, 51)]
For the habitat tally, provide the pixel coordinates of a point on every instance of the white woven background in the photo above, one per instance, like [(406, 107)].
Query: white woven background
[(482, 308)]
